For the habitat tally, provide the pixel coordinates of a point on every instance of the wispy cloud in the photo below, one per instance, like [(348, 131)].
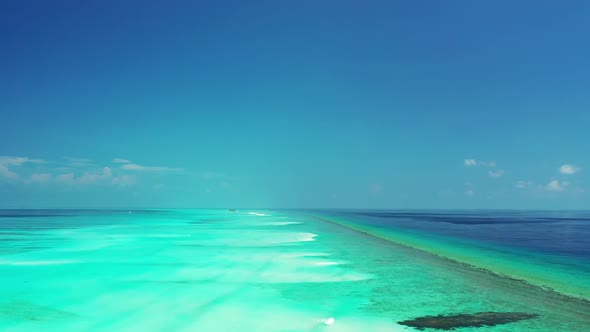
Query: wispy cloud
[(84, 160), (555, 185), (473, 162), (121, 161), (39, 178), (568, 169), (496, 174), (142, 168), (80, 171), (6, 173), (92, 178), (104, 176), (123, 180), (78, 162), (469, 192), (66, 178), (17, 161), (470, 162), (76, 172), (521, 184)]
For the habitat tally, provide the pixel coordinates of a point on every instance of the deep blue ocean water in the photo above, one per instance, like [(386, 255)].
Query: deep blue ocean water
[(545, 248), (565, 233)]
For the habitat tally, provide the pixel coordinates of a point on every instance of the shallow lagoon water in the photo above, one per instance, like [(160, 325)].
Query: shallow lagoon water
[(216, 270)]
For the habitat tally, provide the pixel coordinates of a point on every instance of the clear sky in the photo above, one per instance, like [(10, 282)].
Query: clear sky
[(347, 104)]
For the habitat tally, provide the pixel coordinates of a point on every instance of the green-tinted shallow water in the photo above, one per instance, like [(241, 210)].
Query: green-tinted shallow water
[(215, 270)]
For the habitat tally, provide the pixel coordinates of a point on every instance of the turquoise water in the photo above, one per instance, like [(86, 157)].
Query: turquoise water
[(216, 270)]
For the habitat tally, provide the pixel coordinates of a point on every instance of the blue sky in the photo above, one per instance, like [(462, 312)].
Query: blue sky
[(347, 104)]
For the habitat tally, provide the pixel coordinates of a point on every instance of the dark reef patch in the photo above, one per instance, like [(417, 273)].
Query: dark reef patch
[(479, 319)]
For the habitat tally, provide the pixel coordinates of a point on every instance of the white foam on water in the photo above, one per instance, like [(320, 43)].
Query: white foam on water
[(306, 237), (308, 254), (37, 263), (258, 214), (283, 223), (250, 266), (328, 321), (253, 238), (327, 263)]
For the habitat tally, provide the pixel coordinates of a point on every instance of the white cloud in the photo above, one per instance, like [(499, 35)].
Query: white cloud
[(81, 171), (123, 180), (66, 178), (77, 172), (6, 161), (473, 162), (568, 169), (496, 174), (6, 173), (470, 162), (92, 178), (39, 177), (141, 168), (555, 185), (469, 192), (104, 177), (17, 161)]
